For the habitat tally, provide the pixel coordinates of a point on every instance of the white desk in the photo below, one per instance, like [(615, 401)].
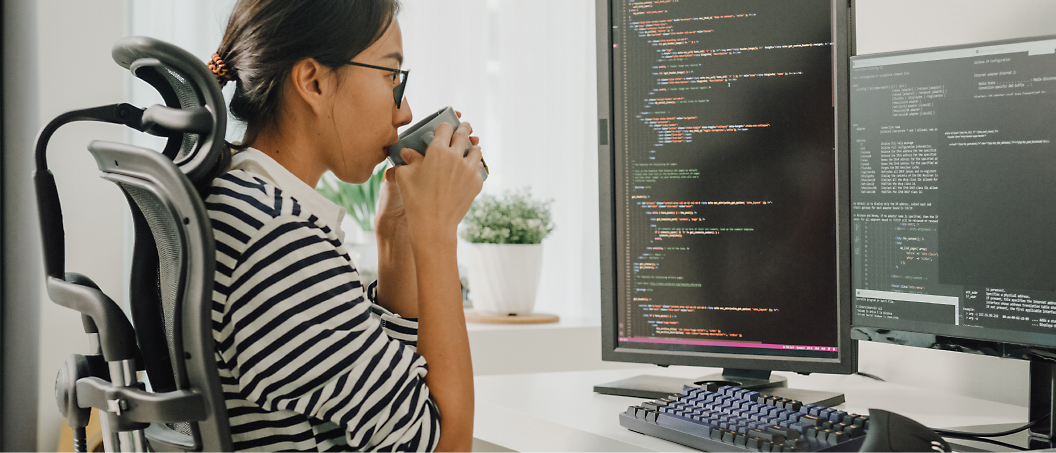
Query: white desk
[(560, 412)]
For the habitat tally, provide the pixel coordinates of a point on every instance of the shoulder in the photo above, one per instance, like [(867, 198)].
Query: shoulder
[(241, 192), (243, 208)]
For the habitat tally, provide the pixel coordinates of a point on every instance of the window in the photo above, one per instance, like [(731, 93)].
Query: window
[(522, 71)]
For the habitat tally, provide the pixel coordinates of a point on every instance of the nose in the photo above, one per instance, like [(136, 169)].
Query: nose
[(403, 114)]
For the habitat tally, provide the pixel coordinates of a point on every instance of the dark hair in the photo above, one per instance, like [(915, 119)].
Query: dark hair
[(265, 38)]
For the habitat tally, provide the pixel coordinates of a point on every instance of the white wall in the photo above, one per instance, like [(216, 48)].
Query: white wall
[(890, 25), (76, 71)]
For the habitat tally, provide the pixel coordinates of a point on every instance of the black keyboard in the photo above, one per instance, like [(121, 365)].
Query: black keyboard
[(734, 419)]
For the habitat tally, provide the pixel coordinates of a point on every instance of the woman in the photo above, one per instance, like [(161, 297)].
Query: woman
[(309, 359)]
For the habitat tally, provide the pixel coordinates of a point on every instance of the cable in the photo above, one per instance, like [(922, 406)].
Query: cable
[(870, 376), (991, 441), (947, 432), (80, 442)]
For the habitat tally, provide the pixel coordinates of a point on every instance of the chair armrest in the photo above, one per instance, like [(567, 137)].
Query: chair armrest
[(132, 408)]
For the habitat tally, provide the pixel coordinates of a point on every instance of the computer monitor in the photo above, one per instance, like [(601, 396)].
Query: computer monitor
[(723, 160), (953, 202)]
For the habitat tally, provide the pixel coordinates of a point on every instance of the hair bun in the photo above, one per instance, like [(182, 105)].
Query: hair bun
[(220, 69)]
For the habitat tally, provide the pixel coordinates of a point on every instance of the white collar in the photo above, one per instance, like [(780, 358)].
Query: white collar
[(259, 164)]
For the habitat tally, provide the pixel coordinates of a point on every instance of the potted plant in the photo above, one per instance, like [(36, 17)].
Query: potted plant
[(361, 205), (504, 257)]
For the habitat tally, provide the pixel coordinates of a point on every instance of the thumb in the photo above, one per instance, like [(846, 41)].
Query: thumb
[(410, 156), (390, 174)]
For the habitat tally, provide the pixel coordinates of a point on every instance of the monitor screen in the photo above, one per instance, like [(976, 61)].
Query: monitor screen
[(953, 191), (720, 189)]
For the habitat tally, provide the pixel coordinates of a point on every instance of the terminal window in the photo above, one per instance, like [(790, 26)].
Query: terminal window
[(725, 176)]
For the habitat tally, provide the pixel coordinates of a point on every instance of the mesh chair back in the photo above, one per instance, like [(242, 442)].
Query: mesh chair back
[(160, 260)]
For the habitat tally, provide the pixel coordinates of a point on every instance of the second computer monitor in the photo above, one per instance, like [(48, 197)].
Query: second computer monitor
[(722, 193), (954, 191)]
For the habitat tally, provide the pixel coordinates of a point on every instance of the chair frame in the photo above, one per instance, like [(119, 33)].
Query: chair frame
[(194, 120)]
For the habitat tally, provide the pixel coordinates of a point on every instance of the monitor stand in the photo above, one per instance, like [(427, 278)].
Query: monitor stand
[(649, 386)]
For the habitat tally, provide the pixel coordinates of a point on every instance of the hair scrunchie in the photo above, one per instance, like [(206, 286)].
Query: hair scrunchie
[(220, 69)]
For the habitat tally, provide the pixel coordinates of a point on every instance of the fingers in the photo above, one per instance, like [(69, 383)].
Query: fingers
[(456, 140), (442, 135), (474, 140), (475, 158), (460, 139), (409, 156)]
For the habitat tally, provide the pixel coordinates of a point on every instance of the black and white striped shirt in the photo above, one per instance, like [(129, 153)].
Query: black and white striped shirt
[(307, 362)]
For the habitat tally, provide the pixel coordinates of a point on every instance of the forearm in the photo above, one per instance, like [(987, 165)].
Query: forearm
[(443, 341), (397, 280)]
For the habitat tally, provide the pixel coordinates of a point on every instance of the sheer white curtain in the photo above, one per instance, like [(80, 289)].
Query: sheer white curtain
[(521, 71)]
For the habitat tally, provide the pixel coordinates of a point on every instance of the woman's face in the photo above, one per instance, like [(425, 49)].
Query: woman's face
[(364, 112)]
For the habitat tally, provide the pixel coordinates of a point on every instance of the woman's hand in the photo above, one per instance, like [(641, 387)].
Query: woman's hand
[(391, 219), (390, 216), (437, 189)]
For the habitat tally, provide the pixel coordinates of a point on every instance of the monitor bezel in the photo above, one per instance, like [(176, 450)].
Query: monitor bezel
[(846, 363)]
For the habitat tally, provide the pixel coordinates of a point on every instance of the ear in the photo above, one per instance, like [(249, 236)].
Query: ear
[(311, 83)]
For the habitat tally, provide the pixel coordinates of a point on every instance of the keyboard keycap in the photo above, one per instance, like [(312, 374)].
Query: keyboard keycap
[(753, 444), (837, 416), (654, 405), (837, 438), (810, 420), (728, 437), (766, 435), (787, 433), (685, 425), (716, 434)]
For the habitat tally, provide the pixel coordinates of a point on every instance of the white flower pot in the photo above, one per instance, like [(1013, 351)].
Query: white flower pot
[(503, 277)]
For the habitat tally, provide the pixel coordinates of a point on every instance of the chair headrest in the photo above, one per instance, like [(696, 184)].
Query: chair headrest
[(185, 83)]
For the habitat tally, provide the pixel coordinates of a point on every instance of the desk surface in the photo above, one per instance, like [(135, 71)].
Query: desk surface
[(560, 411)]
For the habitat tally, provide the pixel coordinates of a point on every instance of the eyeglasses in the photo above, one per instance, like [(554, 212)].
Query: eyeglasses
[(397, 75)]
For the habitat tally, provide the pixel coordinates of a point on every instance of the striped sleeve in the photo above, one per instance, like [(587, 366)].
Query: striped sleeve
[(299, 335), (403, 329)]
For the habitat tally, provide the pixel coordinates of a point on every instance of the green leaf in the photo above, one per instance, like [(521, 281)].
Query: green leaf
[(359, 200)]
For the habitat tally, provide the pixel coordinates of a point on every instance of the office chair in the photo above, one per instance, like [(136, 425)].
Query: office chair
[(170, 334)]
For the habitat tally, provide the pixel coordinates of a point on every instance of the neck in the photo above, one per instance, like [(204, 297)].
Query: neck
[(292, 148)]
